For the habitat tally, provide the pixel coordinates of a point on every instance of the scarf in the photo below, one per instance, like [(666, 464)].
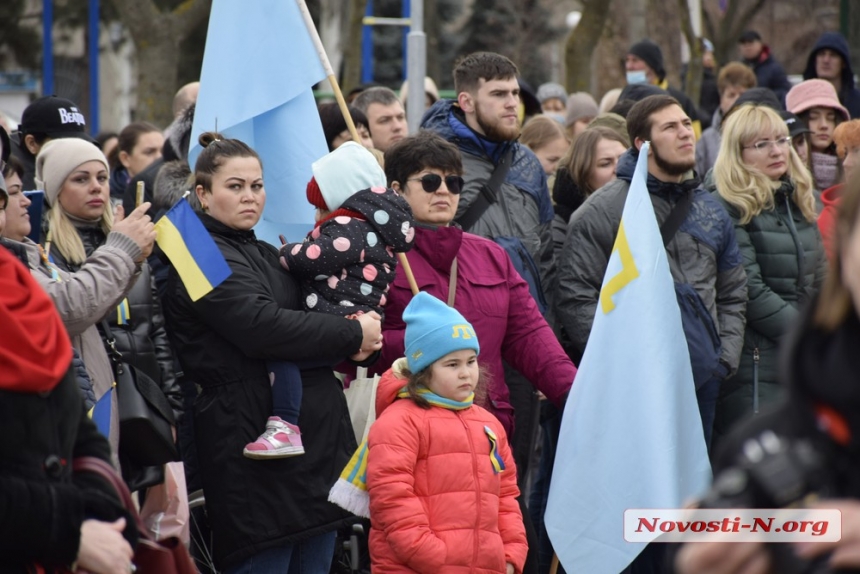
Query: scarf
[(825, 169), (350, 490), (35, 350)]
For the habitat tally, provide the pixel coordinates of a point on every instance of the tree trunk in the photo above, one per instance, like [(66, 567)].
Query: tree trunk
[(157, 78), (637, 20), (724, 32), (581, 42), (695, 69), (352, 51), (157, 36), (329, 30)]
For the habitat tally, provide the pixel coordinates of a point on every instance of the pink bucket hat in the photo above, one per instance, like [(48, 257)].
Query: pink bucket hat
[(814, 94)]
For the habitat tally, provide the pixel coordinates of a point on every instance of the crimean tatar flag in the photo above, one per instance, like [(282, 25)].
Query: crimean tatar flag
[(191, 250), (631, 435), (259, 68)]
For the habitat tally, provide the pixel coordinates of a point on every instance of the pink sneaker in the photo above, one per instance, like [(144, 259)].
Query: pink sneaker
[(280, 440)]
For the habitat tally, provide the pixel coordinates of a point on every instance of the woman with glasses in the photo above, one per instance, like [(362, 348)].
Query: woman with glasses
[(474, 275), (769, 194)]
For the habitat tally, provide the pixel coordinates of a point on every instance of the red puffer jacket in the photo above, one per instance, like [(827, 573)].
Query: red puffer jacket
[(436, 504)]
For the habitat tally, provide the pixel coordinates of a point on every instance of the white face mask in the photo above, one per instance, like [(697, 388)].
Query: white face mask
[(637, 77)]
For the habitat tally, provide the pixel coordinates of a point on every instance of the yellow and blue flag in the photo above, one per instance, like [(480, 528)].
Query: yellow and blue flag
[(259, 68), (191, 250), (631, 435)]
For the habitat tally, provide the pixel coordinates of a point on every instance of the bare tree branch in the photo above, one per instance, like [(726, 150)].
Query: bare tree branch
[(581, 43), (693, 83), (187, 15), (352, 48), (157, 36)]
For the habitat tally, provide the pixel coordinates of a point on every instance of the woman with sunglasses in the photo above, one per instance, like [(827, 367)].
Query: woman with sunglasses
[(474, 275), (769, 194)]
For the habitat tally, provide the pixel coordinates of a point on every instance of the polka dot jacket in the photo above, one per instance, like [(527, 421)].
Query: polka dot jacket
[(348, 262)]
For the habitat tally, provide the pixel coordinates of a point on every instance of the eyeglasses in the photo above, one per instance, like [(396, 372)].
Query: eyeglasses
[(764, 145), (431, 182)]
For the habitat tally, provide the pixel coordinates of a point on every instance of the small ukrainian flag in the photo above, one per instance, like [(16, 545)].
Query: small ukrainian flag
[(191, 250)]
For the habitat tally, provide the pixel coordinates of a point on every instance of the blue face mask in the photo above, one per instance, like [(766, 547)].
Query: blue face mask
[(637, 77)]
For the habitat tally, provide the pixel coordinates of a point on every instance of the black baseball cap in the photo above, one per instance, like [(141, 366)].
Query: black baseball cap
[(796, 126), (749, 36), (56, 118)]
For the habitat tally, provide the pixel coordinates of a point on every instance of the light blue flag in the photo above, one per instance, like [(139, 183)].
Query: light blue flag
[(258, 70), (631, 435)]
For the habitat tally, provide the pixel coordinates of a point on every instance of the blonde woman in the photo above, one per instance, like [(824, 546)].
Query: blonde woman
[(768, 192), (86, 285)]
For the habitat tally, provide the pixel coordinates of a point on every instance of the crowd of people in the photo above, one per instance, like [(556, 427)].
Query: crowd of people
[(462, 264)]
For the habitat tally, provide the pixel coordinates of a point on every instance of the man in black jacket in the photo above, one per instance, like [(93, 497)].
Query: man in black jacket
[(830, 60), (768, 72), (644, 65)]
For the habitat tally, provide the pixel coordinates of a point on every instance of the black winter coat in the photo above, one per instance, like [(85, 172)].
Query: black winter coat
[(348, 262), (41, 504), (770, 74), (223, 341)]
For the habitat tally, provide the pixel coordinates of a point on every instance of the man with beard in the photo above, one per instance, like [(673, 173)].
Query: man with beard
[(702, 251), (483, 123)]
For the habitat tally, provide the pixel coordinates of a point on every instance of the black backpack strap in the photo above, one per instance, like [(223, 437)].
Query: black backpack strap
[(676, 216), (489, 191)]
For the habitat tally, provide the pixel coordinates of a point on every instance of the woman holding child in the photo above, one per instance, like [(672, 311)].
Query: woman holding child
[(266, 515)]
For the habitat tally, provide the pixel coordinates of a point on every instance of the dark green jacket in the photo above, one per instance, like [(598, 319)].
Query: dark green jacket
[(785, 265)]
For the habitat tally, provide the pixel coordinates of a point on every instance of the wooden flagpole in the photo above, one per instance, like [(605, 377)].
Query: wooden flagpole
[(341, 102)]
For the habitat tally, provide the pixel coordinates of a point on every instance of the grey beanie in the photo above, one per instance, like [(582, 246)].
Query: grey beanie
[(549, 91), (58, 158), (580, 105)]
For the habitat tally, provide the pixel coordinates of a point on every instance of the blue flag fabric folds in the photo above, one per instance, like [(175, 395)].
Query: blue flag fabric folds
[(631, 436), (102, 411), (191, 250), (259, 68)]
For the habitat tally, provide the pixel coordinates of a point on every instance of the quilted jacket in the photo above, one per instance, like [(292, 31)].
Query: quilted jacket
[(436, 503)]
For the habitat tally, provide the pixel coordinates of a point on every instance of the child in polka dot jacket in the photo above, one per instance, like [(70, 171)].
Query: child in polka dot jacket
[(346, 265)]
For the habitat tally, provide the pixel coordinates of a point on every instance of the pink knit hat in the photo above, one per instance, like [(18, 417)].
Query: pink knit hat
[(814, 94)]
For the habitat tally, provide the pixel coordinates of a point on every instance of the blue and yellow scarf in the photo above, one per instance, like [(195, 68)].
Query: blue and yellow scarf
[(350, 490)]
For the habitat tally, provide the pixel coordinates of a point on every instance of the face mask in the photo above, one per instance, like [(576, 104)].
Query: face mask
[(636, 77)]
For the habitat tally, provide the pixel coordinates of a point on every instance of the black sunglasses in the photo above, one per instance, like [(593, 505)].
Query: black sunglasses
[(431, 182)]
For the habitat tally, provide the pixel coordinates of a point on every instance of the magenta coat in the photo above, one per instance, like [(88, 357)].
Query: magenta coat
[(495, 300)]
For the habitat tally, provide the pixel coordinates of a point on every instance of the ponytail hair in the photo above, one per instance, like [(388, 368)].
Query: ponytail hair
[(216, 151)]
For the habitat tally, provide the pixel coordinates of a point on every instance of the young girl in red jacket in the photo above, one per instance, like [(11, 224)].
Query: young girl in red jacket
[(438, 469)]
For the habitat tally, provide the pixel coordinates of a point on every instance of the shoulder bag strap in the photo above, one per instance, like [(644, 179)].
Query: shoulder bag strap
[(110, 346), (452, 284), (676, 217), (489, 191)]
